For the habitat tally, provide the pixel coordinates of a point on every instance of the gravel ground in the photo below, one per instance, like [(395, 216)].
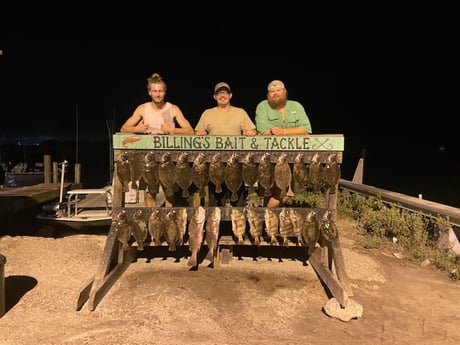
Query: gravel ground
[(159, 300)]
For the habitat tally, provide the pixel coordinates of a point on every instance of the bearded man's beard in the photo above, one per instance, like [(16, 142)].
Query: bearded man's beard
[(277, 103)]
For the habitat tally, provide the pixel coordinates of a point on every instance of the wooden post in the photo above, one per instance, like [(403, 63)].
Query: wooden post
[(47, 168), (77, 173), (2, 284), (55, 172)]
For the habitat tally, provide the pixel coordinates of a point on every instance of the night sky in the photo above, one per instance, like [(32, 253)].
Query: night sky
[(387, 82), (391, 88)]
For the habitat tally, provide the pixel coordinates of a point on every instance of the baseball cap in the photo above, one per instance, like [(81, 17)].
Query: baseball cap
[(275, 84), (222, 85)]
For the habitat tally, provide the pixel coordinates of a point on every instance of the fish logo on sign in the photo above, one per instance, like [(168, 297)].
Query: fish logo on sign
[(129, 140)]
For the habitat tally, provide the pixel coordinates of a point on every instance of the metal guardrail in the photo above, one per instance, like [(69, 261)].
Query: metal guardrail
[(429, 208)]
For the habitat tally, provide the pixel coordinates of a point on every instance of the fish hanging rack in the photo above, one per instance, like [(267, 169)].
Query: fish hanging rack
[(319, 148)]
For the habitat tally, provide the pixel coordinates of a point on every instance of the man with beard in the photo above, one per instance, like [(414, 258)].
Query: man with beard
[(279, 116)]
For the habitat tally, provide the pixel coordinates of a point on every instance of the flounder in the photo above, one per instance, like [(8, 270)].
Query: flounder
[(266, 174), (233, 175), (217, 171), (183, 173), (167, 173)]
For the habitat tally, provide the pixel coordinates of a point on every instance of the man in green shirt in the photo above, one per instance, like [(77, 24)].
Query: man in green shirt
[(279, 116)]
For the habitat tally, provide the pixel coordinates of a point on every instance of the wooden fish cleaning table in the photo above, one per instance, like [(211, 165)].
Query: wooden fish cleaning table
[(325, 256)]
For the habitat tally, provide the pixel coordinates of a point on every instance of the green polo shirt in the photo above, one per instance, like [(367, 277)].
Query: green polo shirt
[(295, 116)]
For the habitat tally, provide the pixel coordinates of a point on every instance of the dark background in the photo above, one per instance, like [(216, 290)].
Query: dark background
[(386, 80)]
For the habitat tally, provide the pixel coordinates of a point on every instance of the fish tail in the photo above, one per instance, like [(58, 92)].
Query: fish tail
[(192, 260), (299, 240), (210, 255)]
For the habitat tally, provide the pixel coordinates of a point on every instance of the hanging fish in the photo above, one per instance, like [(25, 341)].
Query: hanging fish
[(315, 172), (282, 174), (212, 232), (271, 225), (139, 229), (200, 173), (331, 172), (255, 224), (181, 221), (238, 224), (249, 171), (135, 159), (183, 173), (171, 230), (124, 170), (155, 226), (233, 176), (123, 229), (327, 227), (311, 231), (300, 173), (217, 171), (196, 233), (285, 225), (166, 173), (266, 174), (150, 172), (298, 224)]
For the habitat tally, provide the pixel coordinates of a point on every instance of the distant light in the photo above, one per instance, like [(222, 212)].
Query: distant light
[(1, 52)]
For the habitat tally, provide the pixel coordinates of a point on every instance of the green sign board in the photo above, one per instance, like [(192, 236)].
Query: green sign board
[(322, 142)]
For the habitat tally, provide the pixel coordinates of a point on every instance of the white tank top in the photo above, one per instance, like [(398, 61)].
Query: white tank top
[(155, 118)]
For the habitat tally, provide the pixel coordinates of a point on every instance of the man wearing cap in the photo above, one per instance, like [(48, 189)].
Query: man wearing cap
[(279, 116), (225, 119)]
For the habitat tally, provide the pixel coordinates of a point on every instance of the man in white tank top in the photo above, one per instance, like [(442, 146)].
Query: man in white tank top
[(157, 117)]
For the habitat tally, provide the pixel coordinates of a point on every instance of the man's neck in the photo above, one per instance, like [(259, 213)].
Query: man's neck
[(158, 105)]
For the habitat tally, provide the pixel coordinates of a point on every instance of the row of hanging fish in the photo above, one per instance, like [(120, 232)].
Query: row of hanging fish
[(173, 226), (233, 172), (170, 227), (277, 228)]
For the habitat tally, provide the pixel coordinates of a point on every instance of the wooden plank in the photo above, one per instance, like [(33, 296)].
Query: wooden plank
[(334, 285), (84, 294)]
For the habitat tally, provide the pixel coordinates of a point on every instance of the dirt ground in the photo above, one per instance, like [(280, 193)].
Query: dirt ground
[(160, 301)]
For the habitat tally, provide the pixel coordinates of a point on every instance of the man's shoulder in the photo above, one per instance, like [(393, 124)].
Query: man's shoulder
[(294, 103), (263, 103)]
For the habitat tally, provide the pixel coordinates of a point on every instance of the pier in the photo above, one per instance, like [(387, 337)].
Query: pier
[(19, 204)]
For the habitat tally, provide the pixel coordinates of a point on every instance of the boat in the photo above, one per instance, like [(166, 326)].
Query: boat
[(83, 208), (20, 175)]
